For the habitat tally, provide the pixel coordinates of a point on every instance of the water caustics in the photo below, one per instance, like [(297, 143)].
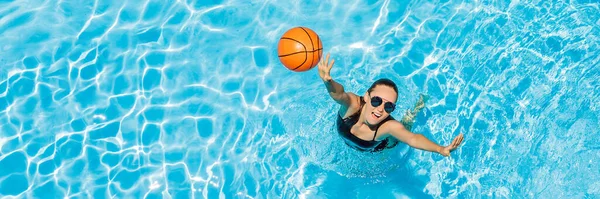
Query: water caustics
[(187, 99)]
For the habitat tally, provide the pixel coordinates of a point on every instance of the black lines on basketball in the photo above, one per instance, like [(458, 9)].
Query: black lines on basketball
[(317, 54), (293, 43), (305, 58), (296, 41), (311, 43), (305, 54), (301, 52)]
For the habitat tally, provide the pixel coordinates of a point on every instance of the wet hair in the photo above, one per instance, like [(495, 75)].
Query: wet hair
[(383, 81)]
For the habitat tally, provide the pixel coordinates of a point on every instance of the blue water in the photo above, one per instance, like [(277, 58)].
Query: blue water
[(187, 99)]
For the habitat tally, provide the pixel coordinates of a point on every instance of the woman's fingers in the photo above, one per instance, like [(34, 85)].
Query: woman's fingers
[(324, 62), (331, 64), (321, 62), (453, 144), (457, 141)]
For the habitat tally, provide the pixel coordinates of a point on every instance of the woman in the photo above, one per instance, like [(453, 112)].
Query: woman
[(365, 121)]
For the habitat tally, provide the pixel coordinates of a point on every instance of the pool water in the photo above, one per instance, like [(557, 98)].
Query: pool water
[(187, 99)]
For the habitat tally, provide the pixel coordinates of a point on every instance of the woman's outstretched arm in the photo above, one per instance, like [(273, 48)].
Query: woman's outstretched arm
[(421, 142), (336, 91)]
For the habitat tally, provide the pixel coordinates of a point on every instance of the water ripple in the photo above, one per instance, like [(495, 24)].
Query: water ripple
[(186, 99)]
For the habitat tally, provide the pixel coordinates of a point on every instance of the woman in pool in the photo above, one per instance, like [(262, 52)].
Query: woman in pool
[(365, 121)]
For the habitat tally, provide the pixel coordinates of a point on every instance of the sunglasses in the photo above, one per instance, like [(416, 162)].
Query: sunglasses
[(388, 106)]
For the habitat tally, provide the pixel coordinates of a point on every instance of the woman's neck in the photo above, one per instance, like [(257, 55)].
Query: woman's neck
[(363, 119)]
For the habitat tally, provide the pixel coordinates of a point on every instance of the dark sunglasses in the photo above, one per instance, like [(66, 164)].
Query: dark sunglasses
[(388, 106)]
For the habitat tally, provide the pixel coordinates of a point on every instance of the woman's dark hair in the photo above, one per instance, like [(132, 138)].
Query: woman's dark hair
[(383, 81)]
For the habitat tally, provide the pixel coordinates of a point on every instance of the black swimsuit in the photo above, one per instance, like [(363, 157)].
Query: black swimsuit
[(344, 126)]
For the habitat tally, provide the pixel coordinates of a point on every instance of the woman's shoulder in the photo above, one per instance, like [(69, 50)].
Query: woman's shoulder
[(356, 100), (389, 124), (353, 107)]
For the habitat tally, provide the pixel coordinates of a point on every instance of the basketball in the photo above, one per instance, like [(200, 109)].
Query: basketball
[(300, 49)]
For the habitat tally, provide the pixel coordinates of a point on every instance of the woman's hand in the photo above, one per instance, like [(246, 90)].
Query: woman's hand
[(325, 68), (457, 141)]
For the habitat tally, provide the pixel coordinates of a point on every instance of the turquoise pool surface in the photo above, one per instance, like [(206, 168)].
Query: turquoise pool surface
[(188, 99)]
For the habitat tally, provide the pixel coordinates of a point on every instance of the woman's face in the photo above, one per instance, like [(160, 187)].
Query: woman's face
[(380, 95)]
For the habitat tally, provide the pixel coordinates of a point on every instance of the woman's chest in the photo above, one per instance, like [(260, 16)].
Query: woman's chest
[(363, 132)]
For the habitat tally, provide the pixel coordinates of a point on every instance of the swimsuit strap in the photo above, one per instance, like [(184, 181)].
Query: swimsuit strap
[(375, 133), (379, 125), (362, 103)]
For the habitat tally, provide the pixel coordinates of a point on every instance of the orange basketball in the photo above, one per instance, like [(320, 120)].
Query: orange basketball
[(300, 49)]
